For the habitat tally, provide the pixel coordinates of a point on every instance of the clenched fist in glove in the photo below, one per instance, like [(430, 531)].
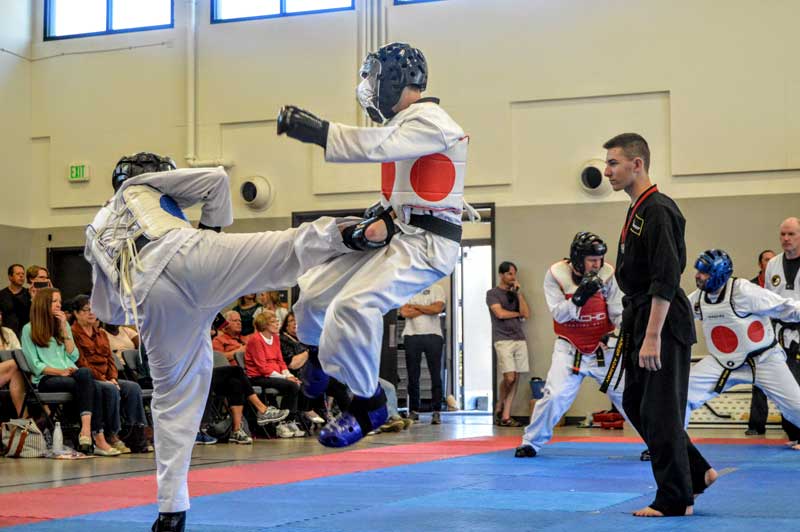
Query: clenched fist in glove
[(588, 287), (302, 125)]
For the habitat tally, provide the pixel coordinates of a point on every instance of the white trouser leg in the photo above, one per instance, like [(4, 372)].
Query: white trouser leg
[(560, 389), (775, 379), (342, 303), (598, 373), (703, 378), (176, 316)]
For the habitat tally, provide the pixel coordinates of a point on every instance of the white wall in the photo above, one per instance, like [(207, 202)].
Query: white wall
[(15, 106), (538, 84)]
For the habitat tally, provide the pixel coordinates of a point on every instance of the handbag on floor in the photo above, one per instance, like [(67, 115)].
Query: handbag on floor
[(23, 439)]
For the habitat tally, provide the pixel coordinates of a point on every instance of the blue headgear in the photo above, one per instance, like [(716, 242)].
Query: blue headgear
[(717, 264)]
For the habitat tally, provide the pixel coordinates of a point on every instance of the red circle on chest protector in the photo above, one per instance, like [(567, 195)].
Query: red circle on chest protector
[(387, 179), (755, 331), (433, 177), (724, 339)]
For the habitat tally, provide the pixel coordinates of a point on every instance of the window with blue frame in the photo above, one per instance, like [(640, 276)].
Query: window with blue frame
[(235, 10), (65, 19), (404, 2)]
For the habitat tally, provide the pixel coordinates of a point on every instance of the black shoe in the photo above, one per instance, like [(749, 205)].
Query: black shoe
[(170, 522), (753, 432), (525, 451), (645, 456), (436, 418)]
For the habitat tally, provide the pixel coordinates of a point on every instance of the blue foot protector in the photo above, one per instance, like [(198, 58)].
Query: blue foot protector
[(363, 415), (315, 380)]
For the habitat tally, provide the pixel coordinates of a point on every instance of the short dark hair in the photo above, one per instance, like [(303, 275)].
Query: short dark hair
[(506, 266), (78, 302), (633, 145), (11, 268), (761, 255)]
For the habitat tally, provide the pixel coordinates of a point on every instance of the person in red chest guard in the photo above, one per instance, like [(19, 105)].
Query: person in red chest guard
[(586, 305), (423, 152), (744, 348)]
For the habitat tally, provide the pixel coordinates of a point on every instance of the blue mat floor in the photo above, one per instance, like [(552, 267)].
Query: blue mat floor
[(568, 487)]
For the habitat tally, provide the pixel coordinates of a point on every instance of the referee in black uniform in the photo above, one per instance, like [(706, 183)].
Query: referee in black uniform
[(657, 329)]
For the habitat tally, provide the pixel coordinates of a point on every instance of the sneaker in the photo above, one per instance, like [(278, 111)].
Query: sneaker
[(121, 447), (271, 415), (298, 432), (313, 417), (392, 425), (752, 432), (413, 416), (525, 451), (436, 418), (283, 430), (204, 439), (240, 437)]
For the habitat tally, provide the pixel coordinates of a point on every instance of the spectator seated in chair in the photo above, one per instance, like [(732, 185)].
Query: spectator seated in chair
[(228, 339), (123, 396), (265, 367), (9, 372), (295, 355), (51, 354)]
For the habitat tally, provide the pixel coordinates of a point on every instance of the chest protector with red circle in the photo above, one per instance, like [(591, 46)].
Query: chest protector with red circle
[(731, 337), (434, 182), (593, 322)]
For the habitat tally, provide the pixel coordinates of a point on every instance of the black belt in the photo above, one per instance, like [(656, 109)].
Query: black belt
[(140, 242), (577, 357), (750, 361), (437, 226), (615, 360)]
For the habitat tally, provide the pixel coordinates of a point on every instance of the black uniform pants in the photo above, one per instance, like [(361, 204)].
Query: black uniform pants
[(792, 430), (655, 402), (759, 410), (415, 346)]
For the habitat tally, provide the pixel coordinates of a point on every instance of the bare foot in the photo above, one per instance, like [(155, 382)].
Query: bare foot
[(795, 447), (377, 232), (710, 477), (650, 512)]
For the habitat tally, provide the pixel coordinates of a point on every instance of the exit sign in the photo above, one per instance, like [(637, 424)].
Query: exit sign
[(80, 171)]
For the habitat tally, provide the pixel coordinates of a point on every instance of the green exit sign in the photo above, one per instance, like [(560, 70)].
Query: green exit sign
[(80, 171)]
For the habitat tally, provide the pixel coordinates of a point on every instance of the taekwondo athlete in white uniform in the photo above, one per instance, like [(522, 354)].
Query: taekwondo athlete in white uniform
[(586, 305), (152, 268), (423, 152), (735, 315)]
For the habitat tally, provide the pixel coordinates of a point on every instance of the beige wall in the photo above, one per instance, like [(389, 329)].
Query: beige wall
[(536, 237), (15, 108), (539, 85)]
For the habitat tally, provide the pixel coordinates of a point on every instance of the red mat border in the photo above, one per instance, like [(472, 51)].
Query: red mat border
[(80, 499)]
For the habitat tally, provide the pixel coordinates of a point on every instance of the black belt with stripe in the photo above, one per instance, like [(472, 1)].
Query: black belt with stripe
[(615, 361), (750, 361), (437, 226)]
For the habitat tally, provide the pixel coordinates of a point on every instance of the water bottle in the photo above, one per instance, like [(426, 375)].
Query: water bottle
[(58, 439)]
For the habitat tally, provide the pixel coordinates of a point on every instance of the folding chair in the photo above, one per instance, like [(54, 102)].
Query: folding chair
[(134, 362), (53, 404), (268, 395)]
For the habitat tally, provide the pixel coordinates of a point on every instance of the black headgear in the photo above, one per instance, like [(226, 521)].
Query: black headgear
[(141, 163), (585, 244), (392, 68)]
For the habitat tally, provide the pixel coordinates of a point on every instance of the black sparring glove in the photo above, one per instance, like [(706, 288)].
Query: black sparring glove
[(588, 287), (216, 229), (302, 125)]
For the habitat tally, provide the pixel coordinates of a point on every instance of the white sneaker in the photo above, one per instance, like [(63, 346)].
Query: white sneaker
[(298, 432), (283, 430), (240, 437)]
